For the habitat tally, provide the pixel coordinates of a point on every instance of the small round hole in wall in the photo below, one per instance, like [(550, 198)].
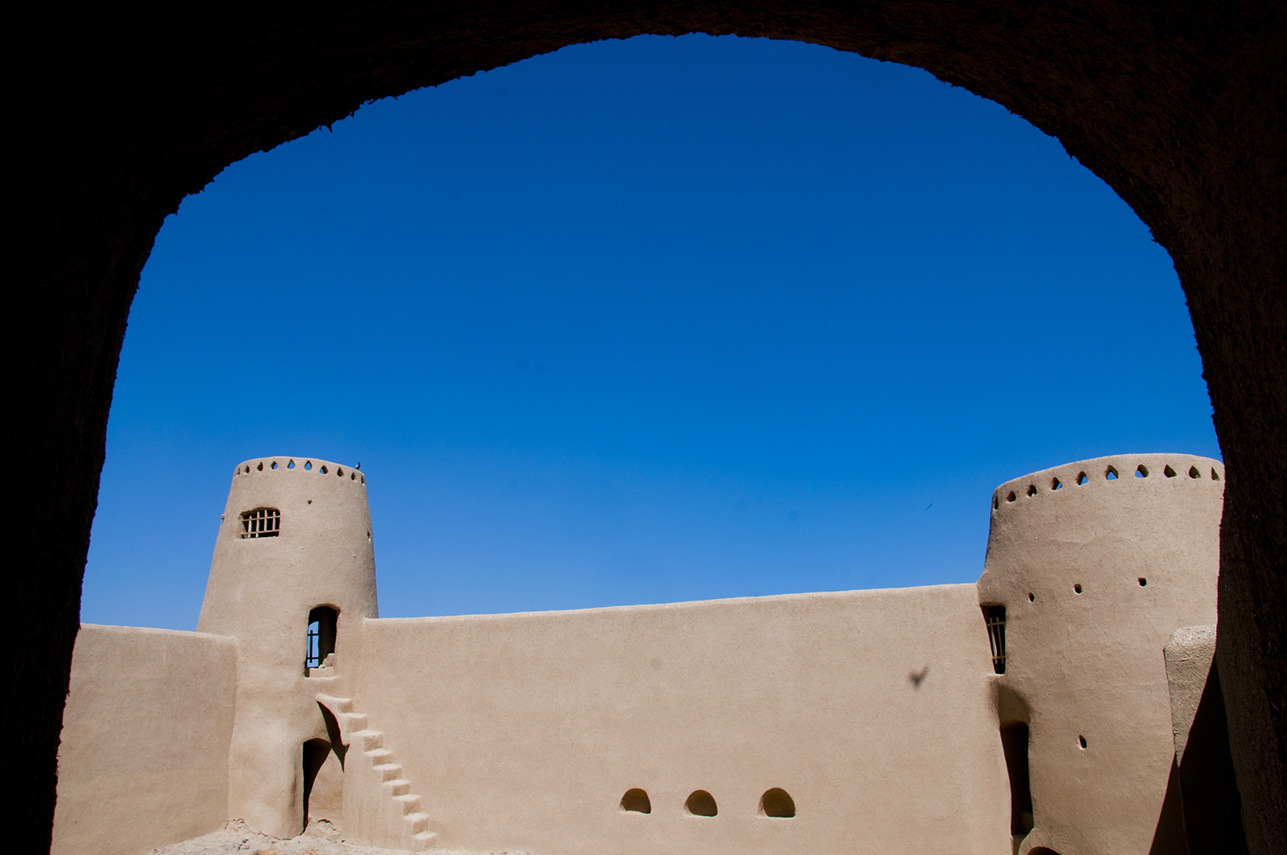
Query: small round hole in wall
[(274, 466), (1077, 588), (1032, 489), (701, 803), (1143, 581), (1168, 471), (1011, 497), (260, 467)]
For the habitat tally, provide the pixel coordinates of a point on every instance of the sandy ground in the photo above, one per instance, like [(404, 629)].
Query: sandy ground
[(321, 838)]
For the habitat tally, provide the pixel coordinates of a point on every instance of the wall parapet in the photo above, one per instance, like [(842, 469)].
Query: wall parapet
[(1121, 471), (276, 465)]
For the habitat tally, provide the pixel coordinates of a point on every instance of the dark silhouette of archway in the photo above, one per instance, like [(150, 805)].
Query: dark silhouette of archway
[(1179, 107)]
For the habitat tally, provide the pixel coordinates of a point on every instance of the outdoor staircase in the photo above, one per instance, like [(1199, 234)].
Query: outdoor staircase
[(356, 732)]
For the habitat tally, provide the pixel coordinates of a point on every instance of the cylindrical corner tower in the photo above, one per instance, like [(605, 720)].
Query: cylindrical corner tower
[(1090, 568), (293, 577)]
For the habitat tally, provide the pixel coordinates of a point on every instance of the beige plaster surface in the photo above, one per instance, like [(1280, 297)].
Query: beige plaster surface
[(144, 755), (871, 709), (1189, 654)]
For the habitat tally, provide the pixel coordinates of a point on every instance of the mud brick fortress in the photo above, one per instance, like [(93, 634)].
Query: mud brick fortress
[(1044, 709)]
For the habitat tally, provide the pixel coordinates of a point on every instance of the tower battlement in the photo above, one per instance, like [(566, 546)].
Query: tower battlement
[(1121, 471), (288, 465)]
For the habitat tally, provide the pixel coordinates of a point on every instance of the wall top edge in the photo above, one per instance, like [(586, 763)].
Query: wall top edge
[(858, 594), (299, 465), (112, 629), (1117, 470)]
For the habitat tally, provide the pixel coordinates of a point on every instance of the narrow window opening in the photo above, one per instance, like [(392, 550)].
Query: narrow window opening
[(1077, 588), (701, 803), (994, 618), (1081, 740), (1168, 471), (290, 465), (1011, 497), (1032, 489), (1194, 473), (261, 522), (1081, 478), (274, 466), (636, 801), (321, 637), (1014, 741), (1143, 581), (777, 803), (1032, 598), (1215, 476), (1141, 471), (308, 464), (1110, 474), (1056, 484), (260, 467)]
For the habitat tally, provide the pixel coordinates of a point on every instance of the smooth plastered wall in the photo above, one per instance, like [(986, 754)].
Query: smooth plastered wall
[(871, 709), (144, 754)]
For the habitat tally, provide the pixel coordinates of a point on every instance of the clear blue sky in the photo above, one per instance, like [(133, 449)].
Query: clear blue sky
[(643, 321)]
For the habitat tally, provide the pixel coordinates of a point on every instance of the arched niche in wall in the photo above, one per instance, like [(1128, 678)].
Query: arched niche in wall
[(701, 803), (636, 801), (777, 802)]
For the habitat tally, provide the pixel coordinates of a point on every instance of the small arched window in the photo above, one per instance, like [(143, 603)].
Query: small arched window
[(321, 636), (261, 522)]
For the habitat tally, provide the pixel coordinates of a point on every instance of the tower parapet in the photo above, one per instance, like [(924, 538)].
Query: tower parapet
[(1090, 568)]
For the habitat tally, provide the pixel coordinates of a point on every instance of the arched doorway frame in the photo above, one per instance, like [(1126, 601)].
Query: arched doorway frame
[(1180, 110)]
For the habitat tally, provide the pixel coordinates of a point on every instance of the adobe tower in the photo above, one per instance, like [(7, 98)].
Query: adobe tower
[(1090, 568), (293, 577)]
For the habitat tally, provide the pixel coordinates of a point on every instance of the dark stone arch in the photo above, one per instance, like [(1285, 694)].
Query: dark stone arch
[(1178, 106)]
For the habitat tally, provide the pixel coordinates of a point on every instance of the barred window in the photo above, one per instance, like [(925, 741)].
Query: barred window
[(261, 522), (994, 617)]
